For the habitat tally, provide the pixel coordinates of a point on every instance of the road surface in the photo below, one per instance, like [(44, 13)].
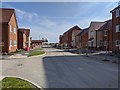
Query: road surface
[(59, 69)]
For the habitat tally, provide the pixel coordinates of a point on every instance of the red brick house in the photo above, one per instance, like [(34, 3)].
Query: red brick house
[(22, 38), (9, 30), (68, 38), (106, 42), (82, 39), (116, 28)]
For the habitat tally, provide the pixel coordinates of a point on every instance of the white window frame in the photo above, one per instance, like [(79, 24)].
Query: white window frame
[(15, 43), (117, 12), (10, 43), (117, 43), (117, 28), (11, 28), (15, 30), (91, 34), (105, 32)]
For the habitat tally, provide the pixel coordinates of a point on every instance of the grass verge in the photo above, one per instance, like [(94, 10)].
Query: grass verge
[(11, 82), (34, 53)]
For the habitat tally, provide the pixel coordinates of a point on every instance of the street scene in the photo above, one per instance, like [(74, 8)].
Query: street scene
[(60, 69), (47, 45)]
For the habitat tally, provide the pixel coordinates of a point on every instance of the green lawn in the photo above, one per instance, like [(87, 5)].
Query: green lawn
[(38, 48), (11, 82), (34, 53)]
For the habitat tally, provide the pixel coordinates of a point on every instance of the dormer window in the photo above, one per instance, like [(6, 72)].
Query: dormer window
[(117, 12)]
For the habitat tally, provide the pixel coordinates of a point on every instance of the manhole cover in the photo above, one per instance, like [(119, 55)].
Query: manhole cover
[(105, 60)]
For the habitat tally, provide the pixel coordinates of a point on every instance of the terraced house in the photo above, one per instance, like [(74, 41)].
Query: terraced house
[(8, 29), (116, 28)]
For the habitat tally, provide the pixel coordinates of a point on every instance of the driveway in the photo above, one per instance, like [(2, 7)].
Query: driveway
[(59, 69)]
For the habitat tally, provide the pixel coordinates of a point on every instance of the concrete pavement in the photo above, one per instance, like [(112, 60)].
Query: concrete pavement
[(59, 69)]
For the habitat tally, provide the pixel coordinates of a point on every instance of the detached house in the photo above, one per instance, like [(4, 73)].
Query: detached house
[(94, 35), (8, 29), (116, 28), (68, 38)]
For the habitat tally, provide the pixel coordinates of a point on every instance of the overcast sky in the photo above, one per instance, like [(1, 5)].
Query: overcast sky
[(49, 19)]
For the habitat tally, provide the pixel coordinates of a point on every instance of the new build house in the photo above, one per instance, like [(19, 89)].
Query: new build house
[(22, 38), (68, 38), (9, 30), (116, 28), (94, 35), (82, 39), (106, 43)]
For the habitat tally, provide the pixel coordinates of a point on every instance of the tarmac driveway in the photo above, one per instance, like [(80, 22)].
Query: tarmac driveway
[(59, 69)]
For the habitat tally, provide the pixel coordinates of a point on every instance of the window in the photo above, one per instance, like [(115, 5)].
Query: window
[(117, 12), (14, 30), (105, 32), (15, 43), (10, 42), (101, 42), (117, 42), (10, 28), (91, 33), (105, 43), (117, 28)]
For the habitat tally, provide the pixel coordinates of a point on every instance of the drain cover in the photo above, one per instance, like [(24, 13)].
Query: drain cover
[(105, 60)]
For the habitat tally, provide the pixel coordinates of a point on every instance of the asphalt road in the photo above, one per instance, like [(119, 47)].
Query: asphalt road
[(59, 69)]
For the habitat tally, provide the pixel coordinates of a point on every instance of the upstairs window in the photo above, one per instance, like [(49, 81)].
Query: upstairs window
[(117, 12), (14, 30), (15, 43), (91, 34), (10, 28), (10, 42), (105, 32), (117, 28)]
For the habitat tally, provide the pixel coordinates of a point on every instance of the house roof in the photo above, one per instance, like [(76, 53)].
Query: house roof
[(36, 41), (73, 28), (83, 32), (115, 8), (107, 25), (6, 14), (97, 25)]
